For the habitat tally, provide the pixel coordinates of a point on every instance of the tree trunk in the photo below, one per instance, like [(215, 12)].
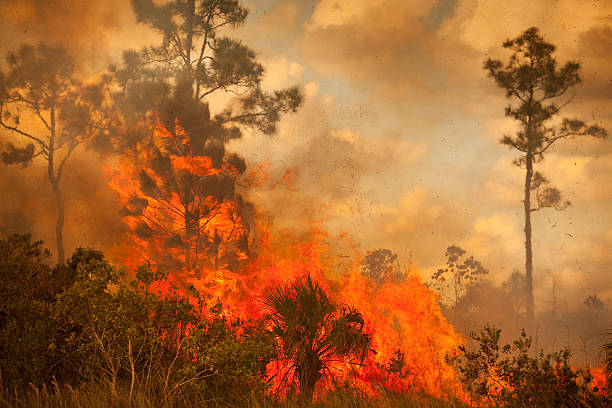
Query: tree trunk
[(528, 250), (307, 389), (190, 233), (309, 373), (54, 180), (456, 287), (59, 224)]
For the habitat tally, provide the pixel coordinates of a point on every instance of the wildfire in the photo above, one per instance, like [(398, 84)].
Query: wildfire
[(599, 378), (179, 218), (412, 338), (180, 209)]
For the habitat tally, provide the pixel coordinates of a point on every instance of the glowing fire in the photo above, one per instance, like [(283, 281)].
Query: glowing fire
[(406, 321), (172, 217), (599, 378), (204, 241)]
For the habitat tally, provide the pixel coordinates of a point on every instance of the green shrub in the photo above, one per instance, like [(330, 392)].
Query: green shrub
[(507, 376), (27, 331), (82, 323)]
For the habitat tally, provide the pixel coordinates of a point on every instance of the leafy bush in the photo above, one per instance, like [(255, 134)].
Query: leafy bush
[(27, 331), (507, 376), (82, 323)]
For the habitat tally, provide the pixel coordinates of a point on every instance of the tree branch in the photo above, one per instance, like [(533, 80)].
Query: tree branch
[(21, 132), (68, 153)]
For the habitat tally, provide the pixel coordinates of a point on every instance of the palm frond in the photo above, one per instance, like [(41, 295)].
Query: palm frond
[(312, 333)]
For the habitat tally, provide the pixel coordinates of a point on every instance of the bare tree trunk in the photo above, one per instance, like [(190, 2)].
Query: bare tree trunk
[(190, 232), (189, 22), (59, 224), (307, 389), (188, 255), (554, 297), (456, 287), (528, 251), (308, 375), (132, 369)]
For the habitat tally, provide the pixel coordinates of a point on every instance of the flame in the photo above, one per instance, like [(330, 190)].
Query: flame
[(600, 379), (405, 318), (192, 229), (402, 315)]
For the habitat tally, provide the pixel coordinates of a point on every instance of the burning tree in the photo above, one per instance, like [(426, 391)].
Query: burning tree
[(180, 198), (44, 104), (534, 84), (184, 207)]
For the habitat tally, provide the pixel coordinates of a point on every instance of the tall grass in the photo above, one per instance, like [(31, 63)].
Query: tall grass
[(100, 395)]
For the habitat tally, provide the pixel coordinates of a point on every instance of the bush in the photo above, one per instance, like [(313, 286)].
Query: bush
[(82, 323), (27, 331), (507, 376)]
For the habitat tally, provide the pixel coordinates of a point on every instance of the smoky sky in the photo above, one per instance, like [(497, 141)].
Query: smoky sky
[(397, 142)]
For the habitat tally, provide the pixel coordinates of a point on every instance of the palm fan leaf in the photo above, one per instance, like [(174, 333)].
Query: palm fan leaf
[(312, 333)]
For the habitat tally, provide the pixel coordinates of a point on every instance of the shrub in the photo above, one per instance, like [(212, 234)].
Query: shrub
[(83, 323), (507, 376)]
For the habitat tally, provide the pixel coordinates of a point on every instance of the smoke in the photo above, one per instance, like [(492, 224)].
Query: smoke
[(92, 215), (94, 32)]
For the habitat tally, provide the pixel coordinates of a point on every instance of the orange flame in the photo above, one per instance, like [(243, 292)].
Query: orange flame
[(600, 379)]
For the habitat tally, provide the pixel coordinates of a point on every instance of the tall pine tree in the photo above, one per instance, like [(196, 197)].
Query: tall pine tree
[(535, 87)]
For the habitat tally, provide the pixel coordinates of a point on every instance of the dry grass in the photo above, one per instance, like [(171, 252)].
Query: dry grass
[(100, 396)]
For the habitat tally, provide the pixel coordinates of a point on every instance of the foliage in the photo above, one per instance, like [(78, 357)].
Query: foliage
[(81, 323), (507, 376), (534, 84), (459, 273), (350, 397), (233, 357), (312, 333), (26, 330), (594, 304), (195, 60), (381, 264)]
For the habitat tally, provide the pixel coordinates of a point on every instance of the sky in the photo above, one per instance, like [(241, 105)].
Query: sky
[(397, 143)]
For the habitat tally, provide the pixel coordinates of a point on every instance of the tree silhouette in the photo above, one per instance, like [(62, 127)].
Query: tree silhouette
[(594, 304), (458, 274), (193, 57), (312, 333), (45, 105), (381, 264), (535, 85), (187, 180)]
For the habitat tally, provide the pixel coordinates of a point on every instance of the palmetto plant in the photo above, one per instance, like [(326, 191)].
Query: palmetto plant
[(312, 334)]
